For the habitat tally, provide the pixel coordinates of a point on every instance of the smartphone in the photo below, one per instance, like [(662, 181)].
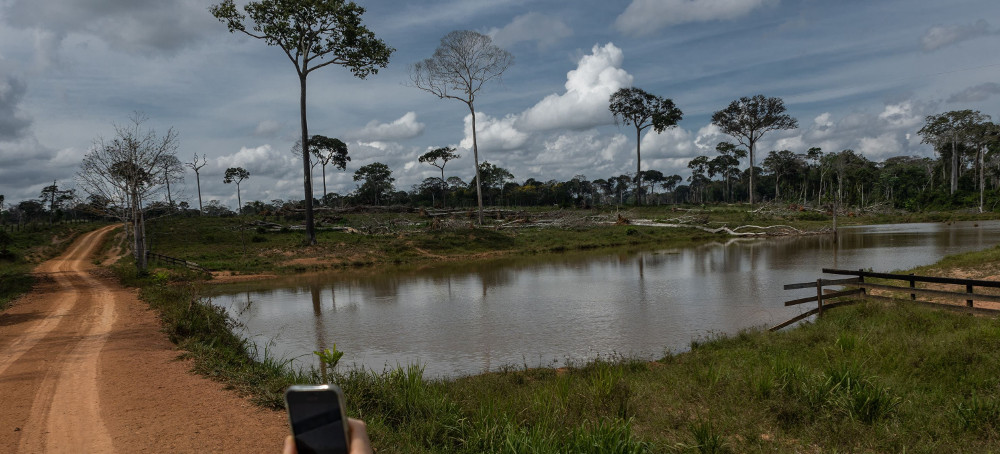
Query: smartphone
[(316, 415)]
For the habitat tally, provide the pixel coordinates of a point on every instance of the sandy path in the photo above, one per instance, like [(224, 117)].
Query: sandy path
[(84, 368)]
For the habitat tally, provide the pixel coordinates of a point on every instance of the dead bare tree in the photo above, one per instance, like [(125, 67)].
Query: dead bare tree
[(461, 65), (194, 165), (123, 171)]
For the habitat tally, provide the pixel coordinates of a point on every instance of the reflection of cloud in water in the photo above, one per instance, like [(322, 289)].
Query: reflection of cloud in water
[(462, 318)]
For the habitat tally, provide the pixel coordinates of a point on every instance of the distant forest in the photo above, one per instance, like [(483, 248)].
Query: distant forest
[(964, 174)]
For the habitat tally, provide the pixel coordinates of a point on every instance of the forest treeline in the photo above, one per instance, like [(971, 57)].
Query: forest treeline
[(966, 165)]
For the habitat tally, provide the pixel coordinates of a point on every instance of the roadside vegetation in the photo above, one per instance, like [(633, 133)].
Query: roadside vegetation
[(880, 377), (22, 248)]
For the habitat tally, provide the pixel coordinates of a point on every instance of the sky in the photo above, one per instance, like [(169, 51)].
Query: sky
[(858, 75)]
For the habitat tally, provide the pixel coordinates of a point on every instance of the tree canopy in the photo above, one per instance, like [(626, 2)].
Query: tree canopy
[(747, 119), (312, 34), (461, 65), (634, 106)]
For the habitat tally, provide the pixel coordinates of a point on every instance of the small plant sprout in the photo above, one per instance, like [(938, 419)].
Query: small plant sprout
[(328, 358)]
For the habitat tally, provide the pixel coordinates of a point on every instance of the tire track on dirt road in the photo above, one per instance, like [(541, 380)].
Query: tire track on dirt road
[(84, 367), (65, 411)]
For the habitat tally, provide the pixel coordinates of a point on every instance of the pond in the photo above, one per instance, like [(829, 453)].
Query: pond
[(568, 308)]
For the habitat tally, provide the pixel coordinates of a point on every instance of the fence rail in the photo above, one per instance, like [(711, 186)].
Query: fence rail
[(861, 288), (176, 261)]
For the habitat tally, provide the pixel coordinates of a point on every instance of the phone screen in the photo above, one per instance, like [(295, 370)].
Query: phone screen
[(317, 421)]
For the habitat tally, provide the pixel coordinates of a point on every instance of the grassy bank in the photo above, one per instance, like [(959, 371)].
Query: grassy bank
[(221, 244), (871, 377), (22, 250), (235, 244)]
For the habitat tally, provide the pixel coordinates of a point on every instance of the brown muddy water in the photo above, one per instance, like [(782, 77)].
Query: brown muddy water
[(568, 308)]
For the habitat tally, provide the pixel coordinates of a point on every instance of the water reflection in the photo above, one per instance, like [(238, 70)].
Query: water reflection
[(540, 311)]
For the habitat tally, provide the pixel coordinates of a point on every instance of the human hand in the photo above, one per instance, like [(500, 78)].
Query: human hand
[(357, 433)]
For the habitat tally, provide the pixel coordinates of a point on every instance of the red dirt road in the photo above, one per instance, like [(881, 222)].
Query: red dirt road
[(84, 368)]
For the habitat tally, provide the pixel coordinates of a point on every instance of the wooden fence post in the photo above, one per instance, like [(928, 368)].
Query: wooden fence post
[(861, 280), (819, 297), (968, 289), (913, 284)]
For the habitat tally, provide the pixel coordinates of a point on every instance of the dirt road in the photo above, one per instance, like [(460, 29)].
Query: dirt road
[(84, 368)]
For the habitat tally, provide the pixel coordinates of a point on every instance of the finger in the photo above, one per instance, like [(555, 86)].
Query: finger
[(289, 446), (359, 436)]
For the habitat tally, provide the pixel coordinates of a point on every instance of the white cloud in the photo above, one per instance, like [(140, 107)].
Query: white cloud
[(881, 147), (262, 160), (561, 156), (405, 127), (646, 16), (900, 115), (795, 144), (673, 142), (530, 27), (823, 120), (267, 128), (709, 136), (588, 88), (946, 35), (493, 134)]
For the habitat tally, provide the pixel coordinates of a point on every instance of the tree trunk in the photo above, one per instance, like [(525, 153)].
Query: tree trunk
[(982, 180), (638, 167), (323, 199), (239, 200), (306, 169), (139, 241), (954, 166), (475, 156), (197, 178), (166, 179), (751, 174)]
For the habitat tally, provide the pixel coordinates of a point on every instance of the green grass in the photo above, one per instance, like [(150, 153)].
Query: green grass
[(219, 244), (872, 377), (408, 239), (866, 378)]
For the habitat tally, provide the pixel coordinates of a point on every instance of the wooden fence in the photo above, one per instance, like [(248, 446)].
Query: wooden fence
[(861, 287), (176, 261)]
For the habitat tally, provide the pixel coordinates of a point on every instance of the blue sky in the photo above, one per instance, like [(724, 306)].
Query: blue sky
[(856, 74)]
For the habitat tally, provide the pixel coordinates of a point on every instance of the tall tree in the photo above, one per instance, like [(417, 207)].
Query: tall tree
[(122, 170), (634, 106), (194, 165), (747, 119), (460, 67), (815, 154), (781, 164), (313, 34), (983, 135), (699, 167), (494, 178), (377, 183), (954, 127), (328, 150), (443, 154), (236, 175), (55, 196), (727, 164)]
